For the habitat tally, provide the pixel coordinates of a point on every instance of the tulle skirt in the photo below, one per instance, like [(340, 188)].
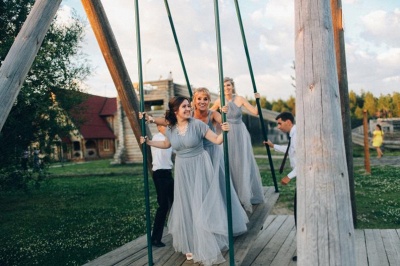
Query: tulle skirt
[(197, 221), (239, 216), (245, 174)]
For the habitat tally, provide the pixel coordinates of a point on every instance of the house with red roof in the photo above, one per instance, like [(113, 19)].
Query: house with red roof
[(94, 137)]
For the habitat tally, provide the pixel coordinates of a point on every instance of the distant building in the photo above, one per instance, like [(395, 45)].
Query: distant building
[(94, 138)]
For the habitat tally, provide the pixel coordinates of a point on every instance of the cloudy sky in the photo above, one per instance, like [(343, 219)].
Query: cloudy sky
[(372, 36)]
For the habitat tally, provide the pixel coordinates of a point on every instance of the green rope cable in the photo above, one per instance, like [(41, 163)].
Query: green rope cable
[(263, 126), (144, 146), (225, 145), (171, 22)]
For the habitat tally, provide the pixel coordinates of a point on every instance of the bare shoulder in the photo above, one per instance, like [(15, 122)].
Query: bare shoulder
[(240, 99)]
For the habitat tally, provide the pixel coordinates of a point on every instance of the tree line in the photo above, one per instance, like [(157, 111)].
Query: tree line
[(384, 106)]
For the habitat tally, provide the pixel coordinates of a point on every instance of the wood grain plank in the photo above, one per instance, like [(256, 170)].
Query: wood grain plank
[(361, 248), (391, 242), (273, 246)]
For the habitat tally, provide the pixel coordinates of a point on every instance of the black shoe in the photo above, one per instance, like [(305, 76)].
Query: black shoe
[(294, 258), (158, 244)]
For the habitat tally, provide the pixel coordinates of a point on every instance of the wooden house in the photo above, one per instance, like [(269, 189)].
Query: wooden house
[(94, 137)]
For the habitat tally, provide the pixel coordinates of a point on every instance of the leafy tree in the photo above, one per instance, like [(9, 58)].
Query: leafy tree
[(395, 105), (279, 106), (263, 102), (370, 104), (383, 106), (291, 104), (37, 115)]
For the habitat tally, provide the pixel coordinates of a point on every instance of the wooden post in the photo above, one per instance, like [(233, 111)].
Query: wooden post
[(325, 232), (337, 21), (22, 53), (367, 164), (112, 55)]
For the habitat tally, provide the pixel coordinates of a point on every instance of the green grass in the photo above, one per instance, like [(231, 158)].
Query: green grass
[(70, 221), (377, 197), (86, 210), (377, 194)]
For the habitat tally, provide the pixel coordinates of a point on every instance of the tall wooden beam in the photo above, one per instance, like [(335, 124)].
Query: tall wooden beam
[(325, 232), (367, 163), (115, 63), (22, 53), (337, 21)]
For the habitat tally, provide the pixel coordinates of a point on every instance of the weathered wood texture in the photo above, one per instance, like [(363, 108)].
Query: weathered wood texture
[(135, 252), (340, 51), (22, 53), (325, 233), (115, 63), (367, 164), (274, 244)]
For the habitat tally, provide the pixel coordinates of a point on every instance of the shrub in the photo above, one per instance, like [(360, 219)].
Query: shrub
[(12, 178)]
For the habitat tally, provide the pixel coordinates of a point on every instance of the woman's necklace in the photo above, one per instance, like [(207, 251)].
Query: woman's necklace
[(182, 129)]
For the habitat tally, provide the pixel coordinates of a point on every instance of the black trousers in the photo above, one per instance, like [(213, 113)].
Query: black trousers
[(164, 184), (295, 208)]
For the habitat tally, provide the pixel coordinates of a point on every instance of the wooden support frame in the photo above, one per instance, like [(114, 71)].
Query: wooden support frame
[(19, 59), (115, 63)]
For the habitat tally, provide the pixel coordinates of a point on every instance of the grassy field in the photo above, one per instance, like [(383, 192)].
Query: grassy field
[(86, 210), (71, 220)]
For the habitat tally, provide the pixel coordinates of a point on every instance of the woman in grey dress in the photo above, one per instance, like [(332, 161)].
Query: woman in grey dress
[(244, 169), (201, 103), (197, 218)]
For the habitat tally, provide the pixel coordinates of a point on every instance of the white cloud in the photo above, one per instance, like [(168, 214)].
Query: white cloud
[(390, 58), (351, 1), (382, 27), (372, 42)]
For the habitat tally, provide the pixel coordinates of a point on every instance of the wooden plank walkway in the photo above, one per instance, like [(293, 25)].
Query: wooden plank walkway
[(135, 252), (271, 240)]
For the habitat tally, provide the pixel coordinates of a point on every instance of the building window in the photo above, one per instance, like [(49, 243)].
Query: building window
[(77, 146), (106, 144)]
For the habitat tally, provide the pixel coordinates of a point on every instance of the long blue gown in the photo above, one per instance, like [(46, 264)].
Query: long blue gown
[(197, 220), (244, 170), (239, 216)]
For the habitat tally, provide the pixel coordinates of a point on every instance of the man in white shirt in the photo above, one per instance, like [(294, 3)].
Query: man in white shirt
[(287, 125), (164, 183)]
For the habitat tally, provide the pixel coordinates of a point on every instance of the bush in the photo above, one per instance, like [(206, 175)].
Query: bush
[(12, 178)]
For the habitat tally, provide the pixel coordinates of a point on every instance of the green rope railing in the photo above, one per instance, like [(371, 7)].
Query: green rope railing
[(225, 135), (263, 126), (144, 145)]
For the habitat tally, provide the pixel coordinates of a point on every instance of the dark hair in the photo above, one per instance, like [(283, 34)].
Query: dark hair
[(173, 106), (285, 116), (379, 126)]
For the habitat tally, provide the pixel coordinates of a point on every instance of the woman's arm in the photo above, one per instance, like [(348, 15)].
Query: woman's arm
[(165, 144), (156, 120), (252, 109), (215, 105), (160, 121), (216, 117), (214, 138)]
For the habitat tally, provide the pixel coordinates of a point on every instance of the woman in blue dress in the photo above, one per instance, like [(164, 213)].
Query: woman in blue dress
[(197, 218), (243, 167), (201, 103)]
